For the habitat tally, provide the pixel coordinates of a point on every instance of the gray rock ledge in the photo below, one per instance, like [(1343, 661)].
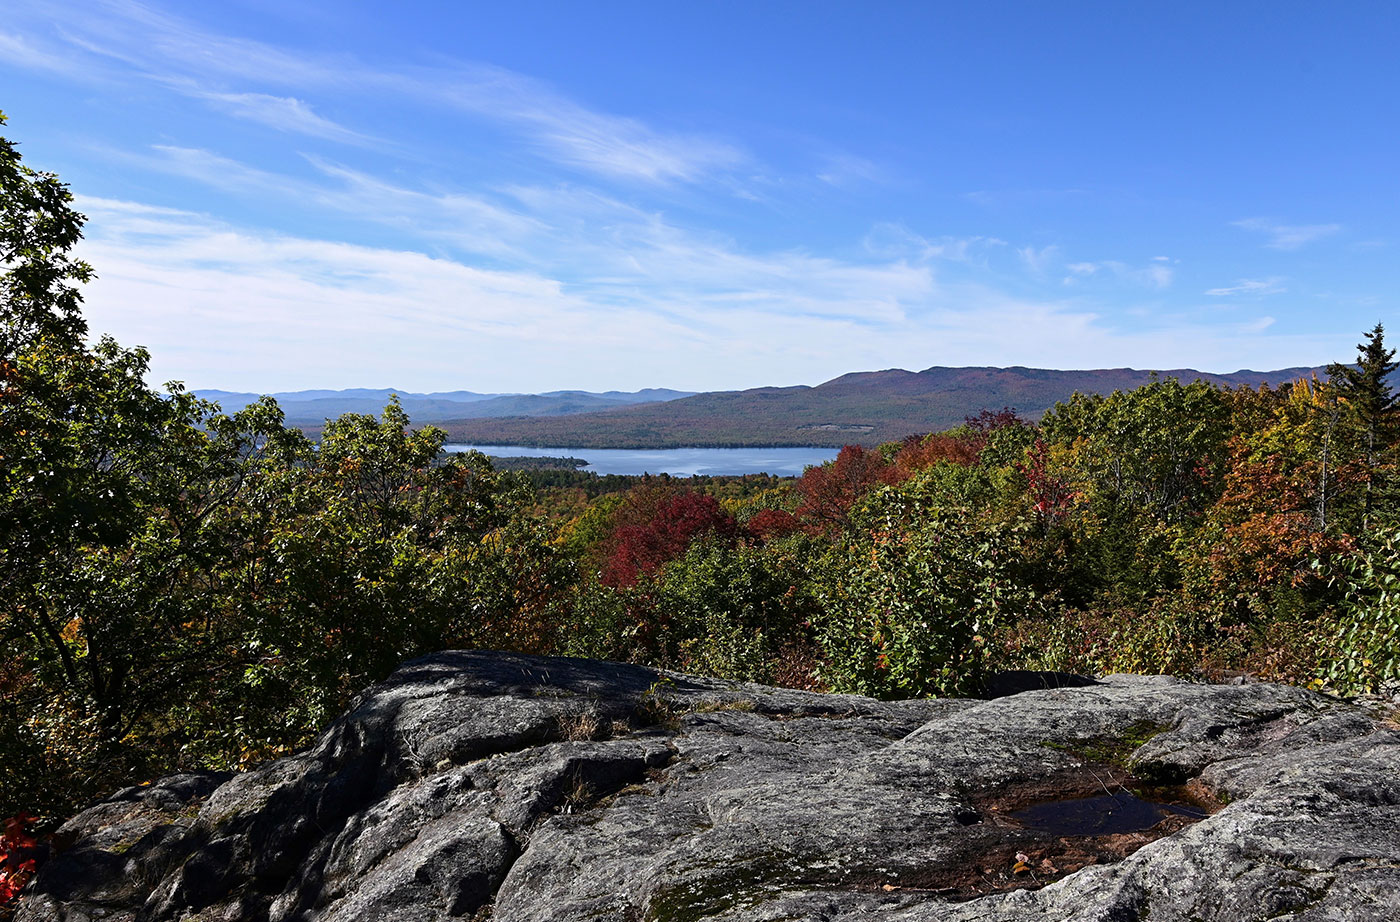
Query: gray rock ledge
[(512, 788)]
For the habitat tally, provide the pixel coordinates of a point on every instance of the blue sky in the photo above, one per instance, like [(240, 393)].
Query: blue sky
[(530, 196)]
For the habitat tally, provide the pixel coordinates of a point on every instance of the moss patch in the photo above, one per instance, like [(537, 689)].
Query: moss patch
[(1116, 750), (744, 882)]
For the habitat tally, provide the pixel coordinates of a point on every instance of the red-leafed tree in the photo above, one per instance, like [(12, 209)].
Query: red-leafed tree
[(642, 547), (1050, 496), (829, 491), (964, 445), (768, 524), (920, 452)]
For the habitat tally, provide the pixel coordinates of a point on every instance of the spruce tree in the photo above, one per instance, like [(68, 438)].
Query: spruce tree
[(1366, 389)]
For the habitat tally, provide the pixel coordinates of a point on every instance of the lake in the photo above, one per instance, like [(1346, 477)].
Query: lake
[(679, 462)]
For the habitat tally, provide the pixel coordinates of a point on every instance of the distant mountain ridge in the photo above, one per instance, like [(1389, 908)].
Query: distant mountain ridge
[(312, 408), (862, 407)]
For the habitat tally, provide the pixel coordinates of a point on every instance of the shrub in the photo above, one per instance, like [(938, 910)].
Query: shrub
[(1165, 637), (914, 600), (1368, 632), (728, 612)]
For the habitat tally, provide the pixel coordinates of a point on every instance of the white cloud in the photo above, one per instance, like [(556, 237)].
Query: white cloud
[(1156, 274), (197, 63), (280, 309), (557, 284), (204, 295), (154, 44), (1002, 198), (453, 219), (1268, 286), (848, 170), (222, 306), (283, 113), (1288, 236), (22, 51), (616, 251), (893, 240), (1038, 260), (217, 171), (573, 134), (1159, 275)]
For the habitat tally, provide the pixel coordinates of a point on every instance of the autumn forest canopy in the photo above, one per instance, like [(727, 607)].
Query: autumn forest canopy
[(184, 588)]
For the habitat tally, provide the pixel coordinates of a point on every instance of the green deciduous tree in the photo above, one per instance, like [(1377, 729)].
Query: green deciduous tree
[(1142, 467), (180, 587), (85, 450), (40, 296)]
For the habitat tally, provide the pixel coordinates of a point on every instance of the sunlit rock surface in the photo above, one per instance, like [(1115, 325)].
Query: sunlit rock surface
[(494, 786)]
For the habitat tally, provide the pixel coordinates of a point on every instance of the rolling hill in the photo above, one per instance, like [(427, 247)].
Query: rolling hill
[(862, 407), (310, 409)]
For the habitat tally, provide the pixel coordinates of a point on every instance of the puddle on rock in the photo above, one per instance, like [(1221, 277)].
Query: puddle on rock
[(1104, 815), (1033, 831), (1029, 833)]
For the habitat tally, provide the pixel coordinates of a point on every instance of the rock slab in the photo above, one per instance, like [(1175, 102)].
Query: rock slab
[(491, 786)]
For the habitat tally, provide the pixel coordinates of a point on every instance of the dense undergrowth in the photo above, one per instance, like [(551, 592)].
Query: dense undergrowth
[(181, 588)]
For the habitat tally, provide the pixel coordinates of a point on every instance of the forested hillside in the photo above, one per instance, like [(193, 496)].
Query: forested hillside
[(864, 408), (181, 588), (310, 409)]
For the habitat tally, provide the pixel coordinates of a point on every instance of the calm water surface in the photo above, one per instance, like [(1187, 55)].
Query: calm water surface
[(680, 462)]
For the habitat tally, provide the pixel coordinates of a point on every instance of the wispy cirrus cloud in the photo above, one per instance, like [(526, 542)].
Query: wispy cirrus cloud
[(893, 240), (1157, 274), (496, 262), (293, 309), (613, 145), (457, 220), (1258, 287), (1287, 236), (156, 44), (233, 75), (625, 254), (24, 51), (284, 113), (616, 251), (848, 169), (1040, 260), (1002, 198)]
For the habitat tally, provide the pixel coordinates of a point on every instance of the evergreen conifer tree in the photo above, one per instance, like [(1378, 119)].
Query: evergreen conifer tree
[(1366, 389)]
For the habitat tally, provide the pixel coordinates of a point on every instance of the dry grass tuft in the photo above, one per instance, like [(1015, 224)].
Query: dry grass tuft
[(579, 726)]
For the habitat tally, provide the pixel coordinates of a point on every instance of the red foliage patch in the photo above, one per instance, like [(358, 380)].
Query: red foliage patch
[(829, 491), (680, 519), (18, 853), (961, 446), (1050, 496), (767, 524), (920, 452)]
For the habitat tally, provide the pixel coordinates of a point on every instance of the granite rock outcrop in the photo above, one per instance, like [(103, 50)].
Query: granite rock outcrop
[(476, 785)]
